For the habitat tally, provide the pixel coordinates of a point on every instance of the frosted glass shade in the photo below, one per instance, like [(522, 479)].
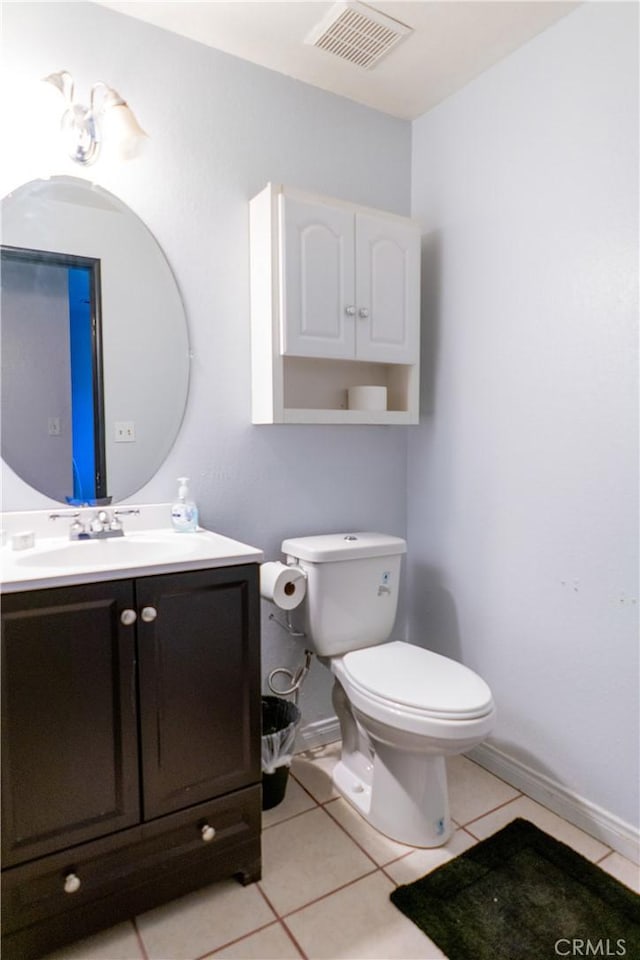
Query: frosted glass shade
[(122, 132)]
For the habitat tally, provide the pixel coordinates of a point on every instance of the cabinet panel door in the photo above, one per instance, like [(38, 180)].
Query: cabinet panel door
[(199, 686), (388, 290), (317, 279), (69, 737)]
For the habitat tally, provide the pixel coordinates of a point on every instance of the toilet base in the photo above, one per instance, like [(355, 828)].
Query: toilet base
[(401, 791), (407, 797)]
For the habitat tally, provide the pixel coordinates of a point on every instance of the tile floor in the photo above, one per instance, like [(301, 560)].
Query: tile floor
[(327, 876)]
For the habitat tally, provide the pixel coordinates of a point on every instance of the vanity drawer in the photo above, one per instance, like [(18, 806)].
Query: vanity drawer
[(134, 860), (208, 827), (36, 890)]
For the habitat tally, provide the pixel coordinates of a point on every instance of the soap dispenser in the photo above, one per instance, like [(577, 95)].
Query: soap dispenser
[(184, 513)]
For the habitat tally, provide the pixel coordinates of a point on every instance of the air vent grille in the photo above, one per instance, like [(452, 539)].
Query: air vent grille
[(357, 33)]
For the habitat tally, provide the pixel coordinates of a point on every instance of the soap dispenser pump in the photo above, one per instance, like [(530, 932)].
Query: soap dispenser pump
[(184, 513)]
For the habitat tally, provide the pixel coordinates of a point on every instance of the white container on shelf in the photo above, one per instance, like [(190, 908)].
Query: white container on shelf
[(367, 398)]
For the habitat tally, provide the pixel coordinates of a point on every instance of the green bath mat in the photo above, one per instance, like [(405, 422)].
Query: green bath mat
[(521, 895)]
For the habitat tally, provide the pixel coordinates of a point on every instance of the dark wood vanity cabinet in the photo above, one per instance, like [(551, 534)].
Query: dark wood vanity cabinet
[(130, 748)]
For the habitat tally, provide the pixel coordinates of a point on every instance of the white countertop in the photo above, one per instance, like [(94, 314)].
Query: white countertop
[(148, 547)]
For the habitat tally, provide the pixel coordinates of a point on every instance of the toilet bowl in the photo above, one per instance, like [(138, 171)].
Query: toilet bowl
[(402, 709), (405, 709)]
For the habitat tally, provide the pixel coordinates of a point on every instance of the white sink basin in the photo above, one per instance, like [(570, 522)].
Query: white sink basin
[(137, 548), (56, 561)]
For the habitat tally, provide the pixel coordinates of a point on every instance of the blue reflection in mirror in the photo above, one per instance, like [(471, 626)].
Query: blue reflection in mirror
[(80, 276)]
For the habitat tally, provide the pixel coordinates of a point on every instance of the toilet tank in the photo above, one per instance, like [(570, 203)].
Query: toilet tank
[(353, 581)]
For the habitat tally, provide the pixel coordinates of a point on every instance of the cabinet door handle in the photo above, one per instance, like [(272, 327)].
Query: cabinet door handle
[(71, 883), (363, 312), (128, 617), (207, 833), (350, 311), (149, 614)]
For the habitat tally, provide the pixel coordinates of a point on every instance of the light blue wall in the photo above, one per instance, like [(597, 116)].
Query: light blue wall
[(220, 128), (523, 507), (523, 482)]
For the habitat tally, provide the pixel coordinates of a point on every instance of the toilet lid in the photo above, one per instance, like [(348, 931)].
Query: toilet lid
[(418, 678)]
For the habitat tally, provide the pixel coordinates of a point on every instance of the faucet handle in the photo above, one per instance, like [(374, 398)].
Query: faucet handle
[(99, 521), (76, 529)]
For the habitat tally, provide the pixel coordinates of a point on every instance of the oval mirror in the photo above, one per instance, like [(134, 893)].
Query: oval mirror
[(95, 352)]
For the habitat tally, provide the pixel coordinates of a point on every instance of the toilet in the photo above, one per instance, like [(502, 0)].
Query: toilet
[(402, 709)]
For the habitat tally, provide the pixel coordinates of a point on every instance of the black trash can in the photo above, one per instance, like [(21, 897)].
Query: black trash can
[(280, 721)]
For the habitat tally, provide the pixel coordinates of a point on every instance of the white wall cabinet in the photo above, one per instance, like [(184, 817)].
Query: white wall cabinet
[(335, 303)]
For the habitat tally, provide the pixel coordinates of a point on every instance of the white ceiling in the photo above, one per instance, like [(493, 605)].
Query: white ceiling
[(453, 41)]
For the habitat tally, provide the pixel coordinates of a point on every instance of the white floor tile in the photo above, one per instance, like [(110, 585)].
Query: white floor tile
[(272, 943), (296, 800), (416, 864), (381, 848), (203, 921), (473, 790), (116, 943), (320, 871), (313, 769), (552, 824), (360, 923), (623, 870), (307, 857)]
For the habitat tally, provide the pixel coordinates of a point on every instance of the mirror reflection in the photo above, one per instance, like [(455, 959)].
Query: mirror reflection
[(51, 299), (95, 356)]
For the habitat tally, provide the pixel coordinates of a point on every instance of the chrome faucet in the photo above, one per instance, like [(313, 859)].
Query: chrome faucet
[(101, 526)]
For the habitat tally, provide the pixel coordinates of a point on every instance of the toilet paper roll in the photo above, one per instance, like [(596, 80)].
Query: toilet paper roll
[(283, 585), (367, 398)]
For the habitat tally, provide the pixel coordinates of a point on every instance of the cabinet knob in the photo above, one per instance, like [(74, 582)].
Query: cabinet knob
[(71, 883), (363, 312), (128, 617), (149, 614), (350, 311), (207, 832)]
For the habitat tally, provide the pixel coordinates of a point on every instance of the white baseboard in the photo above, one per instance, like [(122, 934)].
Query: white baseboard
[(317, 734), (599, 823)]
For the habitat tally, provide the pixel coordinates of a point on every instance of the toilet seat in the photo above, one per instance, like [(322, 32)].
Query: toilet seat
[(417, 681)]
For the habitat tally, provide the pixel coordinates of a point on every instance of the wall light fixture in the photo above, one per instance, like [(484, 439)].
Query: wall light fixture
[(107, 116)]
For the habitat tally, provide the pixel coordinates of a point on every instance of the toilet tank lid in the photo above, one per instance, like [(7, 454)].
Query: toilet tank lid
[(343, 546)]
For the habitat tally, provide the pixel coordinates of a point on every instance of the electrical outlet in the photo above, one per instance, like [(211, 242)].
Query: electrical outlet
[(54, 426), (125, 431)]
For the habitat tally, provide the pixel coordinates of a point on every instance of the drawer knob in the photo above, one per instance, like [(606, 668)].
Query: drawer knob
[(71, 883), (350, 311), (149, 614), (207, 832), (128, 617), (363, 313)]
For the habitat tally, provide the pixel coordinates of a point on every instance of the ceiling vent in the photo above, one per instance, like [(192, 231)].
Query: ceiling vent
[(357, 33)]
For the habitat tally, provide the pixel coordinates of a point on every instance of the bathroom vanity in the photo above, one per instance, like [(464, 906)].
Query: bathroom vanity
[(130, 729)]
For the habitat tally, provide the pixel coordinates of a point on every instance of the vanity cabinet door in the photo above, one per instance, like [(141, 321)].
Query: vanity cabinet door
[(199, 649), (69, 719)]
